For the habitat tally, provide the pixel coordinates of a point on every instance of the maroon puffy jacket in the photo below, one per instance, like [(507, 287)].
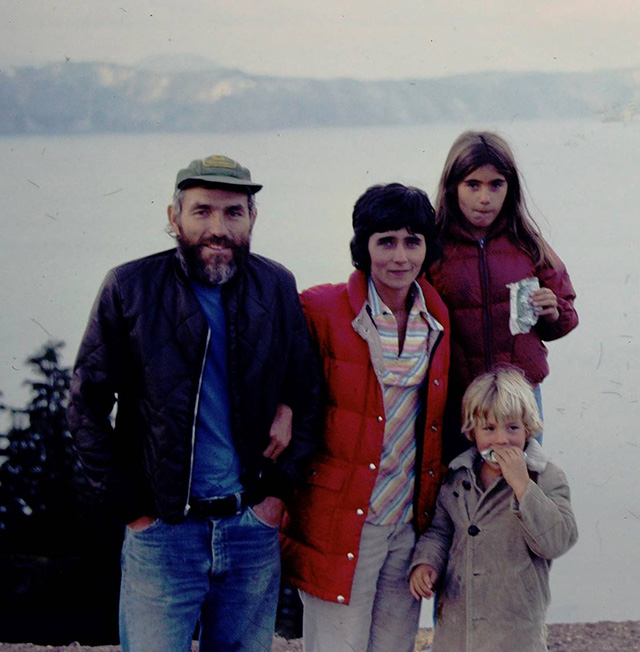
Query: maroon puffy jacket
[(471, 277)]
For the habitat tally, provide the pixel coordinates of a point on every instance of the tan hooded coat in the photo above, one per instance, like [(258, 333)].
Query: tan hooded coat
[(494, 555)]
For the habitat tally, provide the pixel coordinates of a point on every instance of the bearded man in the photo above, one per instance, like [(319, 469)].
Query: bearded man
[(205, 353)]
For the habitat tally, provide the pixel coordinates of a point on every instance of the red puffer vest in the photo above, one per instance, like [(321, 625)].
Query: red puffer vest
[(321, 534)]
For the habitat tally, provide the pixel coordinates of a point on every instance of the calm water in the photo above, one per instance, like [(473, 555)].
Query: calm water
[(73, 207)]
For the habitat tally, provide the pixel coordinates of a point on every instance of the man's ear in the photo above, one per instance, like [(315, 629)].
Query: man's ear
[(173, 219)]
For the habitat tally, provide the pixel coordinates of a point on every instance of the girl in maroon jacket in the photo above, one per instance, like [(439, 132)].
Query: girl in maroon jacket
[(490, 241)]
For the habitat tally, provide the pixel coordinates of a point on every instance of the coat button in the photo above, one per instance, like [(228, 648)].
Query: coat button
[(380, 419), (431, 474), (359, 512), (350, 556), (436, 382), (473, 530), (341, 599), (372, 466), (434, 427), (466, 484)]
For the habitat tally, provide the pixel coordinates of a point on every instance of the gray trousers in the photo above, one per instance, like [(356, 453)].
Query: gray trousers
[(382, 615)]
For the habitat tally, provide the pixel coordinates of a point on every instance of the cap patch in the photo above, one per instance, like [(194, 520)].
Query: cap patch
[(217, 161)]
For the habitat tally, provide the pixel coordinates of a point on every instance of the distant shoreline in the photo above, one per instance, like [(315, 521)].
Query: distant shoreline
[(106, 98)]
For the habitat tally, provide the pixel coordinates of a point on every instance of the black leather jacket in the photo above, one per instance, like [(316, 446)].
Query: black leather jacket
[(145, 347)]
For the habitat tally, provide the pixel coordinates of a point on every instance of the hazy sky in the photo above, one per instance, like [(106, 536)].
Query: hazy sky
[(330, 38)]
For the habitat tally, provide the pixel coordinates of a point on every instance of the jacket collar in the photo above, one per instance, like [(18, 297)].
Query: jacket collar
[(457, 230), (357, 290), (357, 295), (537, 458)]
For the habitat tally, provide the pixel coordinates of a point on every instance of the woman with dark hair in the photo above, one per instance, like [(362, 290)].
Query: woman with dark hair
[(383, 340)]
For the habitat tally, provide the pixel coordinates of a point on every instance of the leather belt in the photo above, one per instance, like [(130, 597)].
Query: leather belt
[(222, 507)]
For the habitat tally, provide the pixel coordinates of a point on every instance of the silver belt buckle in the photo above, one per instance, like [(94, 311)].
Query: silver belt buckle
[(238, 497)]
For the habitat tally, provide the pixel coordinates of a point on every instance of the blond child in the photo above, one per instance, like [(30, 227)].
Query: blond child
[(503, 514)]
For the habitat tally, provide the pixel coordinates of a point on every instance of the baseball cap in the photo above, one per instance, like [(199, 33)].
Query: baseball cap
[(219, 170)]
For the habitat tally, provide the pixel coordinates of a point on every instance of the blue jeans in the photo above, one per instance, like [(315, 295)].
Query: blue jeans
[(221, 572)]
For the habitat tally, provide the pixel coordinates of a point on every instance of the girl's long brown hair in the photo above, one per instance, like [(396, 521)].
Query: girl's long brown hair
[(470, 151)]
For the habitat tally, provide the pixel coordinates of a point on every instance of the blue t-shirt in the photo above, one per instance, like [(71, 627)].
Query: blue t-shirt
[(216, 467)]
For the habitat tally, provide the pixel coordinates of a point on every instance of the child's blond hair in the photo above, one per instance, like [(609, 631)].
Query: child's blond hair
[(502, 394)]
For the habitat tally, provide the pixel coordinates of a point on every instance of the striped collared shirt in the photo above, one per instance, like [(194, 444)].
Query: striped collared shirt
[(400, 377)]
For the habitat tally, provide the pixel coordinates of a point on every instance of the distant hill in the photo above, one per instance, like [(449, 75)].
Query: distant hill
[(74, 98)]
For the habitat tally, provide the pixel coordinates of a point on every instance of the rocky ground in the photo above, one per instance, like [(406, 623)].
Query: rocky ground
[(575, 637)]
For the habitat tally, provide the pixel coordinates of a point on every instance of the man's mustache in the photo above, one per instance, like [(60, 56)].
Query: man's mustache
[(217, 241)]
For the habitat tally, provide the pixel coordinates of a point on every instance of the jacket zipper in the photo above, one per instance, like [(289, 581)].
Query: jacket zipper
[(195, 421), (484, 277)]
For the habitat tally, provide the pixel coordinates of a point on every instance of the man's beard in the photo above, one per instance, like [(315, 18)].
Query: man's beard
[(218, 270)]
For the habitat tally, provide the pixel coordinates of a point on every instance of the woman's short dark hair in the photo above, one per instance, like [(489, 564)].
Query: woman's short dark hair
[(392, 207)]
